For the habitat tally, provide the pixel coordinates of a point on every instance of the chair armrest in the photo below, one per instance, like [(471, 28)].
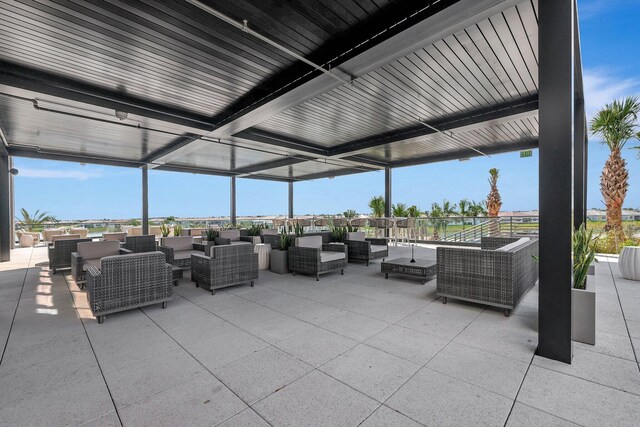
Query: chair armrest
[(377, 241), (168, 253), (334, 248), (124, 251), (93, 283), (222, 241), (76, 264)]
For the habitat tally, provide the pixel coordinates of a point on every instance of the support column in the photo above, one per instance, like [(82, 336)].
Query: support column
[(6, 234), (145, 200), (556, 128), (290, 213), (12, 203), (232, 202), (580, 142), (387, 192)]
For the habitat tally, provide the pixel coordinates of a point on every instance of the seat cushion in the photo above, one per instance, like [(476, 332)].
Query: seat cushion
[(314, 242), (331, 256), (378, 248), (356, 235), (97, 250), (185, 254), (513, 245), (181, 243), (91, 262), (233, 235)]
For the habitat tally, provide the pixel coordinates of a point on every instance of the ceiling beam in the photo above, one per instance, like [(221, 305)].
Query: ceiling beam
[(282, 141), (272, 164), (178, 142), (36, 153), (27, 78), (332, 174), (400, 38)]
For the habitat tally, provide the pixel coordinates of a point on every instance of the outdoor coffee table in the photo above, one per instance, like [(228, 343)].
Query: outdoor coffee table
[(422, 268)]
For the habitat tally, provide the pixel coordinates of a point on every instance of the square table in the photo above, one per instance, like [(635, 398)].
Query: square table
[(421, 268)]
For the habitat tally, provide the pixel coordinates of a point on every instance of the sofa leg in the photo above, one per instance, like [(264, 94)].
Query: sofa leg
[(444, 300), (507, 312), (294, 273), (317, 277), (197, 285), (367, 263), (252, 283), (100, 320), (164, 304), (342, 271), (213, 291)]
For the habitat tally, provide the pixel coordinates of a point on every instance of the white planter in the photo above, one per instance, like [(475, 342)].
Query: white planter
[(583, 313), (629, 262)]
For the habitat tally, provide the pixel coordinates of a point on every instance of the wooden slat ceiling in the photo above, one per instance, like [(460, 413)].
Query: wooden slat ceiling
[(174, 54)]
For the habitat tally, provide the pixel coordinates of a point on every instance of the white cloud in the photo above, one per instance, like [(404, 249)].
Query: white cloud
[(58, 174), (602, 86)]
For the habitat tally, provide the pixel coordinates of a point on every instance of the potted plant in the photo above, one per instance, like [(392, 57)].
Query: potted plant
[(177, 230), (165, 230), (210, 239), (583, 293), (279, 256), (339, 234)]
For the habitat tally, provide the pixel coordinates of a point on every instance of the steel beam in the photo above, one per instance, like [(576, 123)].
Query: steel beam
[(387, 192), (232, 202), (580, 166), (290, 211), (71, 157), (556, 81), (12, 207), (272, 164), (6, 234), (145, 199)]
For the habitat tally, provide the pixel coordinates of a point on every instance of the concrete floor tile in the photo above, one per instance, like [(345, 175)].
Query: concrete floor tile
[(200, 401), (262, 373), (246, 418), (316, 346), (634, 328), (370, 371), (316, 313), (442, 326), (577, 400), (109, 420), (316, 400), (610, 344), (525, 416), (493, 372), (414, 346), (432, 398), (355, 326), (385, 417)]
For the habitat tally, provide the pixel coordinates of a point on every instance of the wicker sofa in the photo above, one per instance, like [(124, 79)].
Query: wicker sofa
[(365, 249), (311, 256), (178, 250), (129, 281), (138, 244), (89, 254), (225, 265), (499, 274), (59, 251)]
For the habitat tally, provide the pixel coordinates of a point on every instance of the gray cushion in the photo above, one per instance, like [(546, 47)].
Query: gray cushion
[(356, 235), (185, 254), (314, 242), (114, 236), (182, 243), (378, 248), (513, 245), (233, 235), (331, 256), (271, 231), (97, 250)]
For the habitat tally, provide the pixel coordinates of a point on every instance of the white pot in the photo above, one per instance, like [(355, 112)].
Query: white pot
[(629, 262), (583, 313)]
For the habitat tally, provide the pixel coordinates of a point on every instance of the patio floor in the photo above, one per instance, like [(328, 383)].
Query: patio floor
[(348, 350)]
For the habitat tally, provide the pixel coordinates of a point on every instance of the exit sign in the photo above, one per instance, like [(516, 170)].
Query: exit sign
[(526, 153)]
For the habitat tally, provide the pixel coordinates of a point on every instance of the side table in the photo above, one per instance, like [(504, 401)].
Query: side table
[(263, 250)]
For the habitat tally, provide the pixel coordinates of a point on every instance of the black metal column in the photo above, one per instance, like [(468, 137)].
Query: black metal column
[(232, 203), (556, 111), (579, 166), (6, 234), (387, 192), (145, 200), (12, 202), (290, 213)]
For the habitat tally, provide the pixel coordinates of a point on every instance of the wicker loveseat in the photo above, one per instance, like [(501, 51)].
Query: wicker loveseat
[(365, 249), (226, 265), (89, 254), (138, 244), (311, 256), (499, 274), (178, 250), (60, 250), (129, 281)]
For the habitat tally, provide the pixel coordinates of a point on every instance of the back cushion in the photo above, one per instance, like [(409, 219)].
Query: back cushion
[(513, 245), (309, 242), (64, 237), (95, 250), (184, 243), (356, 235), (233, 235), (114, 236), (270, 231)]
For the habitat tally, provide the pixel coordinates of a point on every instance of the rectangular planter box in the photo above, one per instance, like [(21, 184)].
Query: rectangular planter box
[(279, 261), (583, 313)]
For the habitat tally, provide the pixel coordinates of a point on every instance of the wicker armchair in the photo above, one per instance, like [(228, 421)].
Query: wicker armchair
[(28, 239), (178, 250), (226, 265), (138, 244), (498, 274), (311, 256), (129, 281), (89, 254), (365, 249), (60, 252), (48, 233)]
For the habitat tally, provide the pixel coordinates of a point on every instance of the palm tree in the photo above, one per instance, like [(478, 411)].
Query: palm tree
[(494, 201), (616, 124), (464, 206), (436, 215), (413, 211), (477, 208), (377, 206), (349, 213), (399, 210), (31, 222)]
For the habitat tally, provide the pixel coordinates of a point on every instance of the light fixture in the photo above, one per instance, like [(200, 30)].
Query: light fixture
[(14, 171), (122, 115)]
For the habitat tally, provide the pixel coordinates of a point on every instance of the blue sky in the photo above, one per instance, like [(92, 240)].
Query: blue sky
[(611, 61)]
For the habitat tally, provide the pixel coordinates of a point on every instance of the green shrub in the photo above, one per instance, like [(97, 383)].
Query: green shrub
[(212, 234), (165, 230), (177, 230), (584, 253), (285, 241)]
